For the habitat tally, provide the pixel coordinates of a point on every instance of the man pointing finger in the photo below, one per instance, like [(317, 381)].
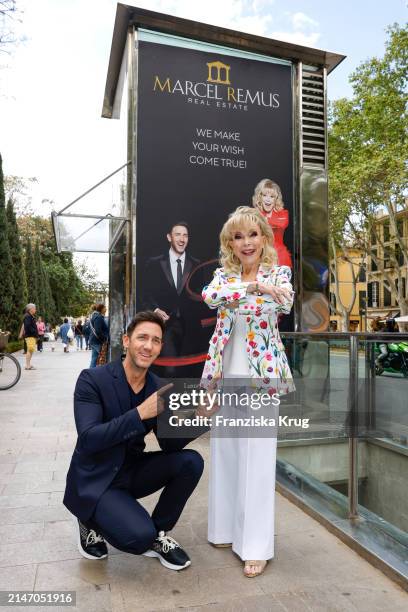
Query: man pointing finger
[(115, 407)]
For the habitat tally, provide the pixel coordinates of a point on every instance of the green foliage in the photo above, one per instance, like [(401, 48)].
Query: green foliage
[(31, 270), (19, 297), (6, 276), (31, 274), (368, 144), (70, 295), (15, 345), (368, 151)]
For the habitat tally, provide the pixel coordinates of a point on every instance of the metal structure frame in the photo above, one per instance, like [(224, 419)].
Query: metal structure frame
[(128, 21)]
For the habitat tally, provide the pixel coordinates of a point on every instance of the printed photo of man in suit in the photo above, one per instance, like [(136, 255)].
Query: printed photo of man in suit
[(172, 287)]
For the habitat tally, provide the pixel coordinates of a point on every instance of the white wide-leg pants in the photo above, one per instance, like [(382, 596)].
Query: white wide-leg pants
[(242, 495)]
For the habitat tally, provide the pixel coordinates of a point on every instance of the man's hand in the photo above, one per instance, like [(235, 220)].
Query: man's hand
[(162, 313), (154, 404)]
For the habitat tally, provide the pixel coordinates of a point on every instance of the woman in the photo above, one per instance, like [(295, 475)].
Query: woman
[(99, 332), (268, 200), (249, 291), (30, 333), (41, 332)]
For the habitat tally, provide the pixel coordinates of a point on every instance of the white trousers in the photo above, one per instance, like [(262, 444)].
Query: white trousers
[(242, 495)]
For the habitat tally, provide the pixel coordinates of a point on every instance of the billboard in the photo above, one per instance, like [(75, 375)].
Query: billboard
[(214, 131)]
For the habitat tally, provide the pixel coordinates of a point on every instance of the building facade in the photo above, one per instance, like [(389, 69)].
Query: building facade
[(352, 281), (386, 260)]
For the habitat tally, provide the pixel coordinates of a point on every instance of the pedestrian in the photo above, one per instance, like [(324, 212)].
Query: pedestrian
[(65, 333), (99, 333), (30, 333), (79, 335), (87, 333), (41, 332)]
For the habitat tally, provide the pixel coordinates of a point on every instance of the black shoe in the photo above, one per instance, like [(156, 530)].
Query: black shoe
[(169, 552), (91, 545)]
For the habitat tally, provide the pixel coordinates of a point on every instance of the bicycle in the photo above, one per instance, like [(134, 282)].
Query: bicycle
[(10, 369)]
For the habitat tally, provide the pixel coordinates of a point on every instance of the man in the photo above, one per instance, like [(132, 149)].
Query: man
[(64, 330), (30, 333), (173, 290), (115, 406)]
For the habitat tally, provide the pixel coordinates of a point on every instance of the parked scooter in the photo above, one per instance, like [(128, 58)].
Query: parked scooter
[(395, 360)]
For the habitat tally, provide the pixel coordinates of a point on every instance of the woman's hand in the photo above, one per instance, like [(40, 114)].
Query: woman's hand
[(278, 294), (232, 305)]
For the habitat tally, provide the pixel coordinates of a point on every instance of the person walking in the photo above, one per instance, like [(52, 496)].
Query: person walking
[(65, 333), (41, 332), (87, 333), (79, 335), (99, 333), (30, 334)]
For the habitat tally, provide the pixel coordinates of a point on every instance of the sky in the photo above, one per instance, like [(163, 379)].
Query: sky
[(51, 86)]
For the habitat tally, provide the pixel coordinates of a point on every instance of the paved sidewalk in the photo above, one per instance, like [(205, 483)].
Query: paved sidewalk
[(312, 570)]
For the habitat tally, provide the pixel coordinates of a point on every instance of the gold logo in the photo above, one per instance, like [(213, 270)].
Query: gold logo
[(220, 70)]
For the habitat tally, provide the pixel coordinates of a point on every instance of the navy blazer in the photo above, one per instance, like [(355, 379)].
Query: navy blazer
[(106, 423)]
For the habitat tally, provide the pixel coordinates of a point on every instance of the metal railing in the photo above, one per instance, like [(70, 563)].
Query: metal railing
[(355, 341)]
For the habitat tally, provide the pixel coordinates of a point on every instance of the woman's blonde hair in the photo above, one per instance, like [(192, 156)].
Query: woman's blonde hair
[(267, 184), (242, 217)]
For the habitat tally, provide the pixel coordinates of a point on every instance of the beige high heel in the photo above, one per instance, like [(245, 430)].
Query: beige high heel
[(220, 545), (249, 564)]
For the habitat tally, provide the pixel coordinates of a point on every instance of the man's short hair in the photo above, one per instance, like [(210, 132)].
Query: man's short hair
[(99, 307), (65, 320), (29, 307), (145, 316), (182, 223)]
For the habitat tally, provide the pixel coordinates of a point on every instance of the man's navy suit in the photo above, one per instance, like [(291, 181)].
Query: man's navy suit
[(109, 469)]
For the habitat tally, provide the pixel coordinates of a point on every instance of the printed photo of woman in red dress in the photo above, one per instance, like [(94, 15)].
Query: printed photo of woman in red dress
[(268, 199)]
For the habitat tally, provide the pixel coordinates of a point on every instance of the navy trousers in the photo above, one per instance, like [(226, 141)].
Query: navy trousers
[(123, 521)]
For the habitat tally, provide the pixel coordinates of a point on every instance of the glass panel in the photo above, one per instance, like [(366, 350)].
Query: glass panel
[(321, 368), (383, 452), (315, 462), (88, 234), (117, 314)]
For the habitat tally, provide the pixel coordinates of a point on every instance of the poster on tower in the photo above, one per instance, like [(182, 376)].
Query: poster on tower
[(214, 132)]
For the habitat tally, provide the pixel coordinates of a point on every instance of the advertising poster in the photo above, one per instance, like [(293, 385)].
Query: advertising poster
[(210, 128)]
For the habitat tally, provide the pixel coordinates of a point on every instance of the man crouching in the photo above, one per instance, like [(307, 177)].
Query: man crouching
[(115, 407)]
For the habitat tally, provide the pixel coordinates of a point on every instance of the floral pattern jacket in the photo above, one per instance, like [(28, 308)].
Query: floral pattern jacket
[(268, 364)]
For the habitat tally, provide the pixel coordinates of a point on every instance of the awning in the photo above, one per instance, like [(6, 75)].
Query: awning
[(89, 233), (86, 233)]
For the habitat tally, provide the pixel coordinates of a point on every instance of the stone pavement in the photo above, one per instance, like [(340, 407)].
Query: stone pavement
[(312, 569)]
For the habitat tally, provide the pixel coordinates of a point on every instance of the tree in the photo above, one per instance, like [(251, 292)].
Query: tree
[(19, 298), (31, 274), (6, 278), (41, 288), (18, 189), (69, 293), (368, 149)]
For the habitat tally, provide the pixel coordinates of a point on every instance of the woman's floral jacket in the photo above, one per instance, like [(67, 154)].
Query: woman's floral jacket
[(267, 360)]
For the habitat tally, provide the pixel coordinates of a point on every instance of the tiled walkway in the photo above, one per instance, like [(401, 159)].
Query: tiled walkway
[(312, 570)]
